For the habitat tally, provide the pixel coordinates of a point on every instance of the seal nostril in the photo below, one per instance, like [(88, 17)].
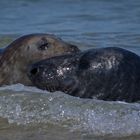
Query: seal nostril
[(34, 71)]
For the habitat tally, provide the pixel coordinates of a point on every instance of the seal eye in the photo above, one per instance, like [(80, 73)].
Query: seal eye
[(43, 46)]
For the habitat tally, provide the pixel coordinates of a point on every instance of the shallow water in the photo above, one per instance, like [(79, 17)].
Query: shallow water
[(33, 114), (91, 23), (30, 113)]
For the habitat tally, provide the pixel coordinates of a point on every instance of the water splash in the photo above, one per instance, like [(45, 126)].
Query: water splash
[(28, 105)]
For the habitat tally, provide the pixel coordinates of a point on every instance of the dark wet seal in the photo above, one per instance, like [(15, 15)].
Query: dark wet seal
[(111, 74), (1, 51), (26, 50)]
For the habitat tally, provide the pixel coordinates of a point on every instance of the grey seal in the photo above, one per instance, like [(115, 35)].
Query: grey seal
[(26, 50), (111, 74)]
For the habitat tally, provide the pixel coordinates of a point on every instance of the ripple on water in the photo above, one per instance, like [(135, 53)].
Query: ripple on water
[(28, 105)]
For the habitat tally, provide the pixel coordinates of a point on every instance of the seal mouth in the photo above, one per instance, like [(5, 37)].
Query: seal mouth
[(49, 87), (65, 86)]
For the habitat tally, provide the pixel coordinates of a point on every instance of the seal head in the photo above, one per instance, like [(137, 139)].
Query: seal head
[(26, 50), (53, 76)]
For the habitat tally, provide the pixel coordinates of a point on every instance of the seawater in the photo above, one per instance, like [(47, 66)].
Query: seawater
[(33, 114), (30, 113)]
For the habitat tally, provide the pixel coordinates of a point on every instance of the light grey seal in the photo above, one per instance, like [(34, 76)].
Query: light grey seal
[(26, 50)]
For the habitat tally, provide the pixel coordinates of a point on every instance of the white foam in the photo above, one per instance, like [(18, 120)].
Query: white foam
[(21, 88)]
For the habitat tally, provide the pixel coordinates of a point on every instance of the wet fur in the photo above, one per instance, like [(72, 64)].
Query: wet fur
[(23, 51), (106, 74)]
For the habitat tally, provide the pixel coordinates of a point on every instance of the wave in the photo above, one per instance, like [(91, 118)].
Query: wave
[(23, 105)]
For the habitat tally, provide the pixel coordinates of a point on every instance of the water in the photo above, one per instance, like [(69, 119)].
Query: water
[(33, 114), (29, 113)]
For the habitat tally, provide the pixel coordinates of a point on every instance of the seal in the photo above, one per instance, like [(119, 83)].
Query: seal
[(26, 50), (1, 52), (111, 74)]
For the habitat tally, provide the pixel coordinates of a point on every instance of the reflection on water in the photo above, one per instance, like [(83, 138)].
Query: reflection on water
[(32, 114)]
